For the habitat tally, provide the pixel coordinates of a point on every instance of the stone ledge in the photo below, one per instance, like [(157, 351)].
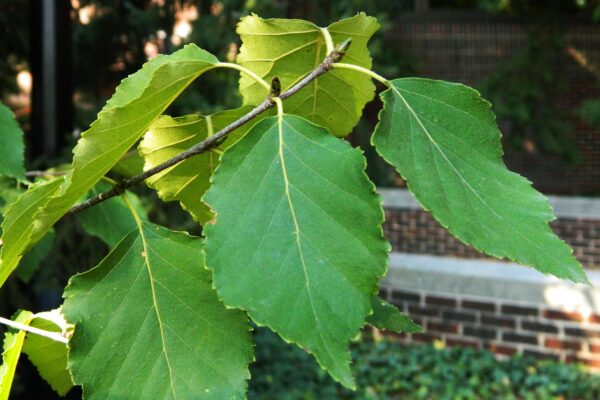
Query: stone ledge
[(564, 206), (492, 280)]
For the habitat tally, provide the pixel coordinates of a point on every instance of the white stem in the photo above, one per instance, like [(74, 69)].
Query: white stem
[(364, 71), (279, 103), (50, 335), (328, 40), (246, 71)]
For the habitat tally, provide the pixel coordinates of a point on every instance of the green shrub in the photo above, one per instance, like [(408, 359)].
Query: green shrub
[(388, 370)]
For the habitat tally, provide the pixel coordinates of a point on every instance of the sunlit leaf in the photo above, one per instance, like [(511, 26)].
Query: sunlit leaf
[(138, 101), (291, 48), (11, 351), (188, 180)]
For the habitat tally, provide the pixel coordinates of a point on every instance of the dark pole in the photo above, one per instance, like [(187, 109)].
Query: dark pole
[(52, 108)]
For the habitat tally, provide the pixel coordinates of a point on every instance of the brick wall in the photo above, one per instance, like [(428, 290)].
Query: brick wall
[(501, 326), (416, 231)]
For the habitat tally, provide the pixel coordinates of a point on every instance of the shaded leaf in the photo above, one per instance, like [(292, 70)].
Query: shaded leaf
[(443, 139), (32, 259), (130, 164), (308, 250), (149, 324), (387, 317), (290, 48), (12, 148), (111, 220), (188, 180)]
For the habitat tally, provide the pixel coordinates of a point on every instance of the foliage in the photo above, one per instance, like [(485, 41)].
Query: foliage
[(387, 370), (524, 91), (11, 155), (590, 112), (292, 234)]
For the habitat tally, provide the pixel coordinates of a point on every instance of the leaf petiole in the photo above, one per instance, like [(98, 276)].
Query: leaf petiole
[(50, 335), (246, 71), (365, 71)]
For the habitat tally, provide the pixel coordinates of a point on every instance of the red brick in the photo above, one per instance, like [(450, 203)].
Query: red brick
[(440, 301), (520, 310), (458, 316), (501, 349), (539, 327), (517, 338), (594, 348), (399, 296), (442, 327), (541, 355), (563, 315), (424, 337), (594, 319), (582, 332), (479, 332), (589, 362), (498, 321), (463, 343), (423, 311), (562, 344), (478, 305)]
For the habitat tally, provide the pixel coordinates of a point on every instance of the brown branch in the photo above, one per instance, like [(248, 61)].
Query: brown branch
[(215, 140)]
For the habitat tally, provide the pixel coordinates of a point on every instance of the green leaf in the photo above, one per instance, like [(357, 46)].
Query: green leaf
[(149, 324), (17, 226), (188, 180), (32, 259), (49, 356), (11, 145), (290, 48), (443, 139), (13, 343), (130, 164), (297, 242), (387, 317), (138, 101), (111, 220)]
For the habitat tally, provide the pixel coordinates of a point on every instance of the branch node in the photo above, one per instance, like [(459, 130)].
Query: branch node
[(340, 50), (275, 87)]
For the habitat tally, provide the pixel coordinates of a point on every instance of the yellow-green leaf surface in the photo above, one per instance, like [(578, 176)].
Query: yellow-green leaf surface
[(387, 317), (49, 356), (150, 326), (443, 139), (11, 145), (111, 220), (138, 101), (11, 351), (188, 180), (297, 240), (17, 225), (290, 48)]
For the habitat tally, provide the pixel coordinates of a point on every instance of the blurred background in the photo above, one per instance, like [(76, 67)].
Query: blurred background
[(538, 62)]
